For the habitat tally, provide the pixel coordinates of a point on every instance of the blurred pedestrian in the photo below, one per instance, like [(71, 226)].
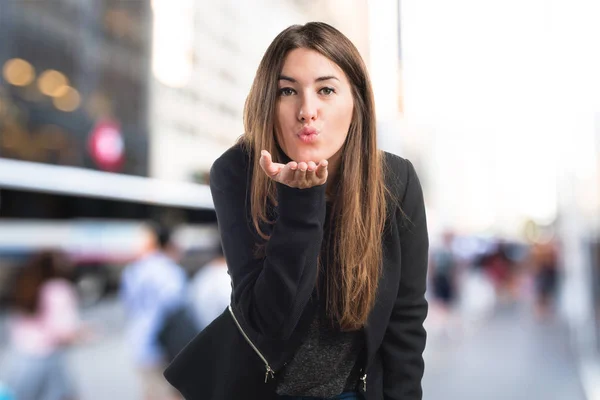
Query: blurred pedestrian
[(325, 238), (152, 288), (443, 275), (210, 290), (501, 270), (544, 258), (44, 324)]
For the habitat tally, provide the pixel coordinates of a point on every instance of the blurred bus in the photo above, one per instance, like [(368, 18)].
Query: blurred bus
[(96, 218)]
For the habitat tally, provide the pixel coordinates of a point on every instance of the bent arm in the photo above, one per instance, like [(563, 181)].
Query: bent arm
[(273, 291)]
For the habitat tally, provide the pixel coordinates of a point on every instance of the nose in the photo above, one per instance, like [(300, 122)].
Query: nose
[(308, 109)]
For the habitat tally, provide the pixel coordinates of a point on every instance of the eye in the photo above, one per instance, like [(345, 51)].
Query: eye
[(286, 91), (327, 91)]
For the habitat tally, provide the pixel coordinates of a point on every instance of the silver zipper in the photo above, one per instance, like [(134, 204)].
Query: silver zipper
[(364, 381), (269, 371)]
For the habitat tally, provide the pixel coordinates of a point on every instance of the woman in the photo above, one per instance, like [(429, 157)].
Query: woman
[(45, 323), (324, 235)]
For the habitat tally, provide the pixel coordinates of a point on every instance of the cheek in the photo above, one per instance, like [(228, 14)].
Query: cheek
[(283, 126), (343, 120), (284, 118)]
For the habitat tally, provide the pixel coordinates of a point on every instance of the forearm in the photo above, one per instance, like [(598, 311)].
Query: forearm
[(273, 291), (289, 272)]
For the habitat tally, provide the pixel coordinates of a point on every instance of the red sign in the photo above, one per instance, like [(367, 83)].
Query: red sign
[(106, 145)]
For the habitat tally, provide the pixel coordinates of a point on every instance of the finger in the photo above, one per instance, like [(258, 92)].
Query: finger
[(321, 171), (267, 164), (310, 172), (302, 166), (300, 175), (311, 179), (288, 173)]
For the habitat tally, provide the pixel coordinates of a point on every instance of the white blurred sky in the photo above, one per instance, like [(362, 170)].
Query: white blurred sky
[(502, 89)]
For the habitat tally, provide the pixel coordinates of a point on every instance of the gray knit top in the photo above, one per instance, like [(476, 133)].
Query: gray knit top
[(325, 365)]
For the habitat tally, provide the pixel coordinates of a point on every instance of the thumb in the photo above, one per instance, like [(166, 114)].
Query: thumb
[(266, 163), (322, 169)]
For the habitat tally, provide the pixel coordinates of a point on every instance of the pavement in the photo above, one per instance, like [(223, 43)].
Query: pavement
[(510, 355)]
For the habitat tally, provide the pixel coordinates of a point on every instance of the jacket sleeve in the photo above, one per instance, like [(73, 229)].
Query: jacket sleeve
[(404, 340), (271, 291)]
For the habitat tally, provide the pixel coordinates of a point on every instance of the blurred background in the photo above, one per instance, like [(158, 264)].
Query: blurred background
[(112, 112)]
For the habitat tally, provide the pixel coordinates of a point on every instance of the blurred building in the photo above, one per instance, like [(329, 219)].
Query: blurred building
[(74, 87), (73, 92), (74, 135)]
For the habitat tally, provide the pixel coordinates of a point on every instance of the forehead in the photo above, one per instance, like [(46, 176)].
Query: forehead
[(307, 64)]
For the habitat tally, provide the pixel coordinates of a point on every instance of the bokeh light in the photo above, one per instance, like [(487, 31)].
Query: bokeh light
[(68, 101), (18, 72), (53, 83)]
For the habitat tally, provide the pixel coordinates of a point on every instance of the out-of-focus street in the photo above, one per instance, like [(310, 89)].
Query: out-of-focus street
[(505, 355)]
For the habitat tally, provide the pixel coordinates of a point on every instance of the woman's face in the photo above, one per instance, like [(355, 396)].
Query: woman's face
[(314, 107)]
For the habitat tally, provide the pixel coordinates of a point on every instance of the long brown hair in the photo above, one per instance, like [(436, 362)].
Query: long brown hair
[(359, 205)]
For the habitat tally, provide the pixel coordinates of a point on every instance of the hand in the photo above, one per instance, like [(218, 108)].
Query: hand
[(302, 175)]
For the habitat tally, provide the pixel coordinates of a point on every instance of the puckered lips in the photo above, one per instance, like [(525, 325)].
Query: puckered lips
[(308, 134)]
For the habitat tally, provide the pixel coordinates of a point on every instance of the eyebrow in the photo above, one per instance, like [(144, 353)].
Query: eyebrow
[(319, 79)]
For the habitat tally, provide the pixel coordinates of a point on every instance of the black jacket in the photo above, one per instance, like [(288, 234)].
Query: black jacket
[(271, 295)]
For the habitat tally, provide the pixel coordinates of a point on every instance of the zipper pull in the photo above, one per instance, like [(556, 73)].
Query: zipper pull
[(364, 380), (269, 372)]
